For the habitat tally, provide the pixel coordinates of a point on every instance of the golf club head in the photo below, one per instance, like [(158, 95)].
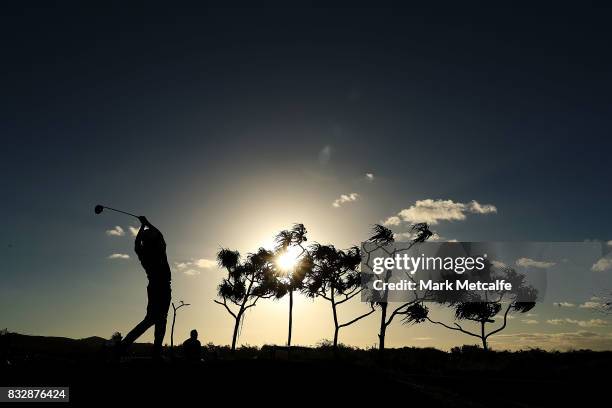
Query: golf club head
[(98, 209)]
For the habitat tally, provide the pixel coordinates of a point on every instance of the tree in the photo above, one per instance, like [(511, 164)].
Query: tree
[(291, 277), (175, 309), (245, 284), (335, 278), (481, 307), (382, 238)]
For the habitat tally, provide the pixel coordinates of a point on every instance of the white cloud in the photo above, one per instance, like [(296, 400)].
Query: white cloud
[(407, 236), (529, 321), (553, 341), (602, 265), (499, 264), (433, 211), (530, 263), (393, 220), (117, 231), (564, 304), (555, 322), (194, 266), (119, 256), (591, 305), (369, 176), (134, 230), (588, 323), (403, 236), (205, 263), (345, 198), (581, 323)]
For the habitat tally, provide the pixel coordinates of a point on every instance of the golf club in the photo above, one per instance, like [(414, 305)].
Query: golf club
[(99, 208)]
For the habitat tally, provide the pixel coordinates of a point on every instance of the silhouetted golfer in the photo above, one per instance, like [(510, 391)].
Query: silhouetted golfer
[(192, 347), (151, 250)]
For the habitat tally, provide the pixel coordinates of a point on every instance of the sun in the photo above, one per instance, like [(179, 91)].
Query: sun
[(288, 259)]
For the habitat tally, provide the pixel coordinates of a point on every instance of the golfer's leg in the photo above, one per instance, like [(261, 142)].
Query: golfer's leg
[(137, 331), (160, 332), (143, 326), (160, 308)]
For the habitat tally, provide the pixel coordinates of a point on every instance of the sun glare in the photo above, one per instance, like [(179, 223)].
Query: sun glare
[(288, 259)]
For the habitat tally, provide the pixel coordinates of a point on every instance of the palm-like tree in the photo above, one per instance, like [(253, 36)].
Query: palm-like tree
[(335, 278), (288, 281), (382, 238), (481, 308), (246, 282)]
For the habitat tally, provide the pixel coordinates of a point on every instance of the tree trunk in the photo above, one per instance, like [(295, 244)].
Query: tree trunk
[(383, 327), (236, 328), (336, 326), (483, 336), (290, 317), (172, 330), (383, 318), (336, 331)]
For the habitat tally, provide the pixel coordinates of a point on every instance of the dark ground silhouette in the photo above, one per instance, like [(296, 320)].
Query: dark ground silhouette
[(464, 377)]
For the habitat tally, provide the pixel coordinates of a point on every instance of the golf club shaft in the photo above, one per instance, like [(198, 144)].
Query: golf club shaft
[(123, 212)]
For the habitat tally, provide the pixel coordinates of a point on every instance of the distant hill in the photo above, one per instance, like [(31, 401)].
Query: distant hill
[(27, 347), (51, 341)]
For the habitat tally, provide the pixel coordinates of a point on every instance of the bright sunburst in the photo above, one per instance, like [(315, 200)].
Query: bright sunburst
[(288, 259)]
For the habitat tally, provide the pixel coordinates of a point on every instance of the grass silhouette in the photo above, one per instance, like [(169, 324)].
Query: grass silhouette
[(465, 376)]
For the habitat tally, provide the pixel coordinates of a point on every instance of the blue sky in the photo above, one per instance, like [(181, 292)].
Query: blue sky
[(223, 126)]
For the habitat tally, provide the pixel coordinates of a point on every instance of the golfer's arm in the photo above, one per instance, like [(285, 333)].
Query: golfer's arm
[(138, 238), (156, 231), (151, 226)]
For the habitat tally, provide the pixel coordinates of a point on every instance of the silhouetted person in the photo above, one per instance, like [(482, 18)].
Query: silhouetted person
[(192, 347), (151, 250)]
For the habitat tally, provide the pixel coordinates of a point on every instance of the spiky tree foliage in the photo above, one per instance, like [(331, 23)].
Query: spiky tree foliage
[(246, 282), (296, 236), (481, 307), (287, 282), (335, 277), (382, 235), (381, 238)]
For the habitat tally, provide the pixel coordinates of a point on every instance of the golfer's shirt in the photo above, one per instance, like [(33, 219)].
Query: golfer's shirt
[(151, 251)]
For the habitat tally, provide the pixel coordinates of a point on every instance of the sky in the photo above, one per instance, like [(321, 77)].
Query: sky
[(224, 126)]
